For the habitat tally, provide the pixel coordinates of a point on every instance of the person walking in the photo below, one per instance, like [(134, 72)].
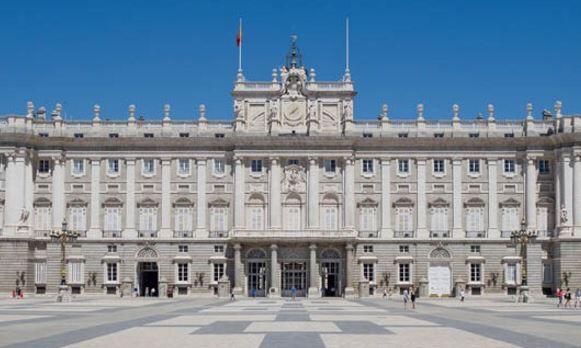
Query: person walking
[(232, 295), (568, 298), (389, 294), (578, 297), (294, 293), (559, 294), (413, 297), (146, 291), (152, 292), (385, 294), (462, 295), (406, 298)]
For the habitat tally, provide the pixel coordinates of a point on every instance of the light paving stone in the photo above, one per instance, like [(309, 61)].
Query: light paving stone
[(196, 320), (292, 326), (391, 320), (7, 317), (569, 318)]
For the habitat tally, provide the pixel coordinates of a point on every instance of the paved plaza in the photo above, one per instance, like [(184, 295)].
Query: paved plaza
[(106, 322)]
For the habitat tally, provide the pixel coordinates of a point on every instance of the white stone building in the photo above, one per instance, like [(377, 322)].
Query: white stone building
[(293, 192)]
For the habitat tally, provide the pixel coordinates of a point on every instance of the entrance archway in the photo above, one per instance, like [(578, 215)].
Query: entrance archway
[(440, 273), (148, 278), (331, 272)]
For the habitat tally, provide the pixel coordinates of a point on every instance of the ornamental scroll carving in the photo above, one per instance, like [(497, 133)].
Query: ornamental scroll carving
[(147, 253), (294, 179), (439, 253)]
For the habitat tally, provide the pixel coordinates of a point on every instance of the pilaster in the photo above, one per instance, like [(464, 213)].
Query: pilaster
[(349, 290), (349, 193), (457, 231), (130, 231), (531, 192), (238, 278), (493, 231), (239, 188), (201, 195), (58, 192), (421, 191), (577, 194), (275, 207), (165, 231), (273, 291), (566, 182), (386, 228), (314, 273), (95, 229), (313, 194)]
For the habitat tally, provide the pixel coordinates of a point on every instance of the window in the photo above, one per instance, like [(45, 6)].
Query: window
[(218, 271), (111, 248), (473, 135), (148, 166), (475, 249), (183, 166), (148, 219), (368, 248), (509, 135), (113, 135), (218, 248), (183, 248), (543, 220), (439, 219), (112, 166), (510, 219), (219, 166), (402, 135), (219, 135), (474, 219), (404, 219), (509, 166), (474, 166), (148, 135), (403, 166), (79, 135), (292, 162), (368, 272), (330, 165), (293, 217), (183, 219), (547, 273), (475, 273), (510, 275), (184, 135), (257, 218), (404, 248), (438, 135), (256, 166), (544, 167), (367, 135), (40, 273), (44, 166), (78, 218), (439, 166), (219, 219), (78, 166), (330, 218), (112, 272), (367, 165), (75, 274), (43, 135), (183, 273), (404, 272), (112, 219), (42, 216), (368, 219)]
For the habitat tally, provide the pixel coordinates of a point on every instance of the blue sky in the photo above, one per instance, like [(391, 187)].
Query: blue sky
[(149, 53)]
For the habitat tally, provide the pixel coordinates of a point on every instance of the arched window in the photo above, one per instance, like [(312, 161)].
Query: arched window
[(112, 215), (43, 214), (368, 215), (439, 218), (510, 217), (147, 217), (219, 215), (292, 217), (78, 215), (330, 212), (183, 213), (545, 216), (474, 211), (404, 217), (256, 212)]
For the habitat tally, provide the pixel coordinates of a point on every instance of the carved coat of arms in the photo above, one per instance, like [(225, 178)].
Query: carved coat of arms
[(294, 179)]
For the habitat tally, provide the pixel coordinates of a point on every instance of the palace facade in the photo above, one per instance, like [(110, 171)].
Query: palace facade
[(292, 193)]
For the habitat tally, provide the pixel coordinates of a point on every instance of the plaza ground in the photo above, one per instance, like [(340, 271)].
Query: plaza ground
[(149, 322)]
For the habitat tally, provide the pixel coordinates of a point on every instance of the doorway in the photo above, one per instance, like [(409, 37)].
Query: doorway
[(148, 278), (257, 279), (440, 279), (294, 275), (331, 283)]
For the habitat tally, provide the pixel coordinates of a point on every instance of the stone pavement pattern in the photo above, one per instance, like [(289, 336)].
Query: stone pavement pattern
[(108, 322)]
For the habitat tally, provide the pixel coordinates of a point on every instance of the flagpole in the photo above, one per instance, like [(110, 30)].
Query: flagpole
[(347, 44), (240, 46)]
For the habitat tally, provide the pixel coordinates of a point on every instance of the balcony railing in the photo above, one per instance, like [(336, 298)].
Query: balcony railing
[(403, 234), (41, 233), (81, 234), (475, 234), (293, 234), (505, 234), (183, 234), (368, 234), (147, 234), (440, 234), (111, 233), (218, 234)]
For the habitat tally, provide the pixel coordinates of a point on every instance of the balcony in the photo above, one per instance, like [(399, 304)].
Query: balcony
[(41, 233), (440, 234), (505, 234), (475, 234), (183, 234), (218, 234), (304, 234), (403, 234), (368, 234), (147, 234), (81, 234), (111, 233)]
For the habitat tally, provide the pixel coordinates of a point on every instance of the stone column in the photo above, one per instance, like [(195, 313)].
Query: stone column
[(95, 229), (566, 182), (458, 231), (531, 193), (493, 231), (273, 291), (202, 205), (349, 290), (314, 273), (239, 192), (14, 199), (238, 271), (535, 268), (313, 192), (577, 194), (557, 179), (275, 207), (58, 192), (165, 231), (29, 195), (386, 229), (349, 193), (130, 231), (421, 228)]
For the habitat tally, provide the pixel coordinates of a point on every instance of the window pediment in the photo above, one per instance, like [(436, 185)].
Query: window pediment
[(403, 202), (42, 202), (183, 202), (147, 202), (511, 202), (439, 203), (77, 203), (219, 202), (367, 202), (112, 202)]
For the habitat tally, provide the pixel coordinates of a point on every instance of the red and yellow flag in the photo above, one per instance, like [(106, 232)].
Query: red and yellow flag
[(239, 35)]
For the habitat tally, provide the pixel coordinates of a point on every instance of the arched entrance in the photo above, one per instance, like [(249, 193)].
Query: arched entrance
[(147, 272), (440, 273), (331, 272), (256, 272)]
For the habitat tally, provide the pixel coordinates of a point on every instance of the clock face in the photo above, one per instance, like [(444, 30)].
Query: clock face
[(295, 112)]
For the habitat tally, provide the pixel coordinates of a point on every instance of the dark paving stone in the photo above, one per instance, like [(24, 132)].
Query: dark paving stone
[(292, 340), (361, 328), (297, 316), (224, 327)]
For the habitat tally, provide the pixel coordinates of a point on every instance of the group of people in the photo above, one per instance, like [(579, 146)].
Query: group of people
[(565, 297), (147, 293), (409, 296)]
